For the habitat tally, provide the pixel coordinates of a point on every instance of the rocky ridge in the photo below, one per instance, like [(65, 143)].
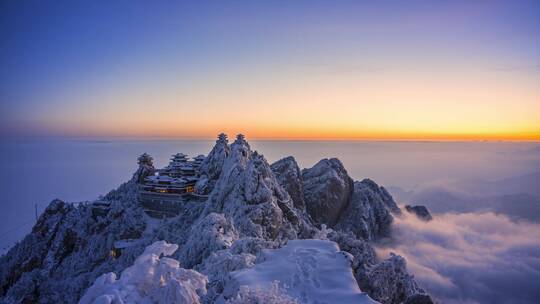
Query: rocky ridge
[(252, 206)]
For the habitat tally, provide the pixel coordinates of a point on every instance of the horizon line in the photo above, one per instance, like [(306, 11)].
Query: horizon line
[(268, 138)]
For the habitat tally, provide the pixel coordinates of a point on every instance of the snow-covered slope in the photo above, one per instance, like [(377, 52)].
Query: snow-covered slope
[(252, 207), (309, 271), (303, 271)]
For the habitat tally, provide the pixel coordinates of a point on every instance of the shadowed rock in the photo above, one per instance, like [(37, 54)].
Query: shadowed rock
[(367, 214), (420, 211), (289, 177), (419, 298), (211, 167), (383, 194), (247, 192), (389, 282), (327, 190)]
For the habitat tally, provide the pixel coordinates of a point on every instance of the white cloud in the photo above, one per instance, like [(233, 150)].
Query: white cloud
[(471, 257)]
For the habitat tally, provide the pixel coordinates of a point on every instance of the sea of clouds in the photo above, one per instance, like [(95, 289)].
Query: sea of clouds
[(470, 257)]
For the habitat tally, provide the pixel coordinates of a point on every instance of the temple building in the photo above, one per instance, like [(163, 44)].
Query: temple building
[(164, 191), (179, 166), (198, 160)]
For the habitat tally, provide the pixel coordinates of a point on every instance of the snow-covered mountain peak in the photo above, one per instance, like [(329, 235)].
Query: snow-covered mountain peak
[(251, 206)]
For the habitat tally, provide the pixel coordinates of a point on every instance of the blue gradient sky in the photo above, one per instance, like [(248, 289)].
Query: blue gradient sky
[(278, 69)]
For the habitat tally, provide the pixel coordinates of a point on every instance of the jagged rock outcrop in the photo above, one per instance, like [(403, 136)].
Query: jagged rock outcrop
[(327, 190), (420, 211), (248, 192), (211, 167), (67, 250), (218, 266), (211, 233), (367, 214), (389, 282), (363, 253), (363, 208), (383, 194), (251, 206), (289, 177), (25, 259)]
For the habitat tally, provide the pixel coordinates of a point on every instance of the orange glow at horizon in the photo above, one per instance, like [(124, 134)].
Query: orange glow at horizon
[(470, 107), (349, 71), (276, 133)]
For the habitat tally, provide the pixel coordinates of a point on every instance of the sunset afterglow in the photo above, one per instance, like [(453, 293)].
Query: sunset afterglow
[(456, 71), (301, 151)]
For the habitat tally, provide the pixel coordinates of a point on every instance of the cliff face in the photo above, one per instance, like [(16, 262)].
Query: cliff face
[(212, 165), (327, 190), (369, 212), (248, 193), (252, 206), (289, 177), (332, 198)]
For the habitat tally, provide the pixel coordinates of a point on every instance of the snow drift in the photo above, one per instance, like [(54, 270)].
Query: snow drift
[(152, 279)]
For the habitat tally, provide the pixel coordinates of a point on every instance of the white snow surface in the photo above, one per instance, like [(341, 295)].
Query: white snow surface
[(152, 279), (310, 271)]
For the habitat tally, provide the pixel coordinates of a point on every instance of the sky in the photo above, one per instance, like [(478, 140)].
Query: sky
[(271, 70)]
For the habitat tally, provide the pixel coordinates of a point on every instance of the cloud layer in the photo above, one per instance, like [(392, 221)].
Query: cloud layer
[(471, 257), (517, 197)]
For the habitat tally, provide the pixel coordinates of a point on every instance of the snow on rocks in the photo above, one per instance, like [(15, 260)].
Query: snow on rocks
[(253, 210), (289, 177), (248, 193), (22, 262), (69, 248), (363, 254), (240, 255), (151, 279), (384, 195), (327, 189), (389, 282), (212, 233), (332, 198), (309, 271), (211, 166), (367, 215), (218, 266)]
